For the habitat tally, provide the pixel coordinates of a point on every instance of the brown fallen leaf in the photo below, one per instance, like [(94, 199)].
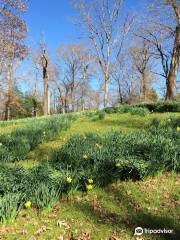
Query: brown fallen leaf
[(84, 236), (23, 232), (60, 224), (42, 229)]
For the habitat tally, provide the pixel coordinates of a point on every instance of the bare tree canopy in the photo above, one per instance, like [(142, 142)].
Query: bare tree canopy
[(162, 33), (78, 61), (102, 22)]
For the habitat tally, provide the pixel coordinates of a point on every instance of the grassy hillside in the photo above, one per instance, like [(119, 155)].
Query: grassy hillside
[(109, 212), (112, 122)]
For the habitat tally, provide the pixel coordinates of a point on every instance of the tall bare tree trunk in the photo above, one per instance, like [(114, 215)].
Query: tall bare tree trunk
[(173, 72), (45, 104), (9, 93), (82, 101), (46, 101), (7, 111), (72, 100), (120, 92), (144, 86), (66, 102), (46, 96), (72, 89), (106, 81), (106, 93)]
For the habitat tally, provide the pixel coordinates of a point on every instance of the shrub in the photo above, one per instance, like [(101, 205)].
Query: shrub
[(139, 111), (164, 106), (110, 110), (101, 115), (124, 109), (134, 110), (9, 208), (89, 113)]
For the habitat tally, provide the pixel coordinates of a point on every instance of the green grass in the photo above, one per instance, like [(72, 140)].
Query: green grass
[(116, 122), (104, 213), (117, 209)]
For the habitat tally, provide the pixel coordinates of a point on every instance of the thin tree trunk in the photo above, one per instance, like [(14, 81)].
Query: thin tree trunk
[(82, 105), (72, 89), (34, 108), (46, 96), (120, 92), (82, 100), (66, 102), (144, 86), (46, 107), (173, 72), (10, 87), (106, 91), (72, 100), (7, 111)]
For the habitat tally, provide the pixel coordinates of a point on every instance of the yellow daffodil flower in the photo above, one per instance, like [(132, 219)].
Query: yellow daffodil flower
[(118, 164), (85, 157), (178, 129), (69, 180), (27, 204), (89, 187), (90, 180), (98, 146)]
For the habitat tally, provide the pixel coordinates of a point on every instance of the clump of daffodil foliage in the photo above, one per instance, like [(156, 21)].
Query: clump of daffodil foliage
[(9, 207), (120, 155), (21, 141), (45, 196)]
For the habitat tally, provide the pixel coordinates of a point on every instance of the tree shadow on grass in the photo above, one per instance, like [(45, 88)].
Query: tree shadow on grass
[(146, 218), (135, 217)]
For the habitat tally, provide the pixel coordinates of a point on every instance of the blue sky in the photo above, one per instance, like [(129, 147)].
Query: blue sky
[(50, 17), (53, 19)]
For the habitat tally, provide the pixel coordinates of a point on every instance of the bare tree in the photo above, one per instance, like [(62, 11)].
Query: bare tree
[(76, 61), (43, 71), (163, 33), (12, 33), (71, 56), (120, 67), (156, 41), (174, 67), (119, 76), (46, 98), (102, 21), (141, 59)]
